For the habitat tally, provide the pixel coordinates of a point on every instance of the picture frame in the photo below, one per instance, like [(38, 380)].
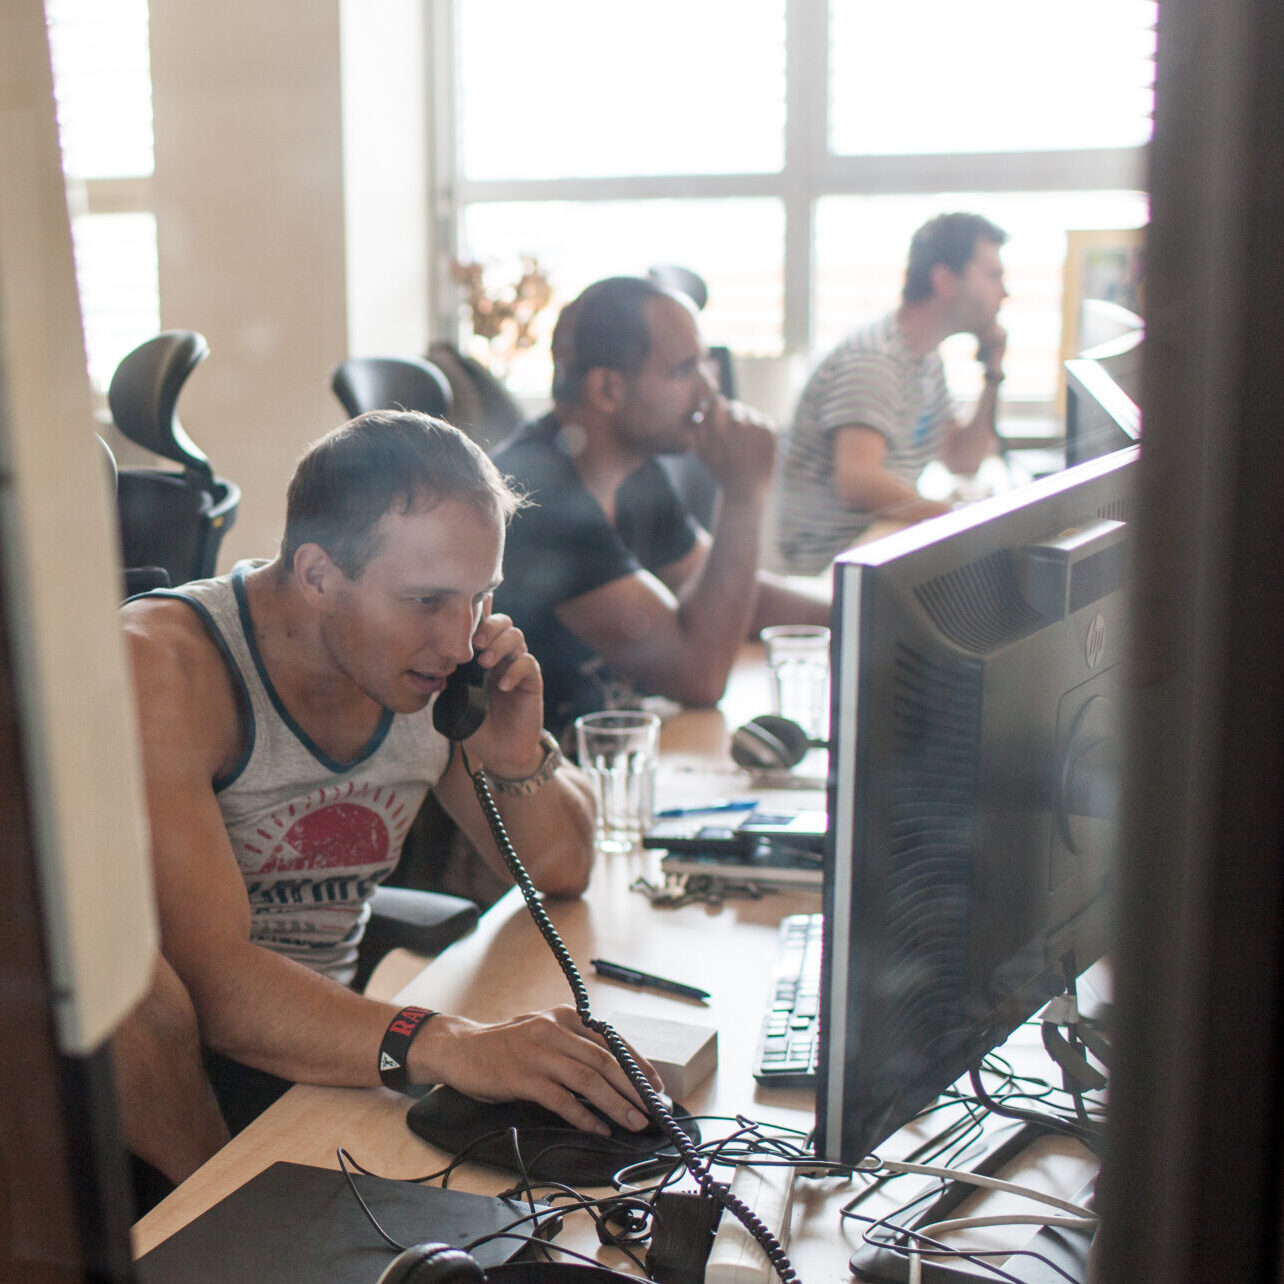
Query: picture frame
[(1105, 267)]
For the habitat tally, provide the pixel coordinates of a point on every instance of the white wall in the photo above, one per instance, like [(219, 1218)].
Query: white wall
[(385, 144), (253, 230)]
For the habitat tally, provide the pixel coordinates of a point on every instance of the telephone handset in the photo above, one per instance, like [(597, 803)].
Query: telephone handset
[(461, 705)]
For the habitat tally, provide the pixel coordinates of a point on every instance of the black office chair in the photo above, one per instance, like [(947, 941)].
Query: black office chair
[(690, 283), (172, 520), (411, 918), (483, 407), (391, 383), (134, 579)]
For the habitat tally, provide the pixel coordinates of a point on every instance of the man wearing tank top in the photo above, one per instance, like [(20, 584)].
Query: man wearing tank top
[(285, 716)]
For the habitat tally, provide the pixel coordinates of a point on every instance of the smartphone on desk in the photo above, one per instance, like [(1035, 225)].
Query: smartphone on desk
[(765, 863), (799, 830)]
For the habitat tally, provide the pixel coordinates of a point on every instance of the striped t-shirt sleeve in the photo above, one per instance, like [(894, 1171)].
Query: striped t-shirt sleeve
[(863, 391), (870, 380)]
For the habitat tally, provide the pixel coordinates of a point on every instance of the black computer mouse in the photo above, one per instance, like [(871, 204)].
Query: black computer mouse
[(551, 1150)]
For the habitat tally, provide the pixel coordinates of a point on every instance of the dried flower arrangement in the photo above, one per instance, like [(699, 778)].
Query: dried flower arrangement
[(505, 315)]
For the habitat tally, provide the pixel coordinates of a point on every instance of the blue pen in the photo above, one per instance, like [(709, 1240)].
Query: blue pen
[(729, 804)]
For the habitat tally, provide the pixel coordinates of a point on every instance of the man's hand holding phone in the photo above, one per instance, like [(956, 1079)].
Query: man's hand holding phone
[(508, 741)]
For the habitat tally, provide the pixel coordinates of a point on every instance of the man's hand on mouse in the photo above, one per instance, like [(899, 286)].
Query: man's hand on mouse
[(546, 1057)]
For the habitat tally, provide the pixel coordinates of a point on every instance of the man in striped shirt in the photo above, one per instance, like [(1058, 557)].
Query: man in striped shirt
[(877, 410)]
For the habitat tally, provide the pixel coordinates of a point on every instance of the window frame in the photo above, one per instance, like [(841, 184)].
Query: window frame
[(810, 172)]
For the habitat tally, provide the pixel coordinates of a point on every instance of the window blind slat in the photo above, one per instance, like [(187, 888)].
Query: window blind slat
[(102, 86)]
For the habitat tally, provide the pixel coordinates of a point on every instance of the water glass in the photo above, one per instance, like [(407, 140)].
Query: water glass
[(798, 660), (618, 750)]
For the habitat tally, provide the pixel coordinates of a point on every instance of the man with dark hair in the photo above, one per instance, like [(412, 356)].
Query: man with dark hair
[(619, 591), (286, 720), (877, 410)]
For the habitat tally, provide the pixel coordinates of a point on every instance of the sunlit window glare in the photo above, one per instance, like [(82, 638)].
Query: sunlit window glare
[(582, 89), (738, 246), (1007, 87), (103, 87), (936, 76), (103, 91), (119, 288)]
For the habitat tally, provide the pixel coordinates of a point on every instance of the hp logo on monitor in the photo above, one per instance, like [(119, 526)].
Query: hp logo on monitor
[(1095, 644)]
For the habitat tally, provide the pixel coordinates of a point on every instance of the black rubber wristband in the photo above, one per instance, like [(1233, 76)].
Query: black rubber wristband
[(395, 1048)]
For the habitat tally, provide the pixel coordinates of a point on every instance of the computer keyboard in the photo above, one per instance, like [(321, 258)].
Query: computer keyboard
[(788, 1046)]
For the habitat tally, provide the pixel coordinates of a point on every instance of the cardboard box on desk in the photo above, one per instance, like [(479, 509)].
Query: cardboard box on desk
[(685, 1054)]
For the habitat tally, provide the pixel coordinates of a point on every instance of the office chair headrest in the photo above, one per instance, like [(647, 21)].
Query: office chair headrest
[(392, 383), (674, 277), (143, 395)]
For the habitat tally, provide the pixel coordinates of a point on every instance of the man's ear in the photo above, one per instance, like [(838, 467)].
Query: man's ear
[(315, 575), (945, 281), (604, 389)]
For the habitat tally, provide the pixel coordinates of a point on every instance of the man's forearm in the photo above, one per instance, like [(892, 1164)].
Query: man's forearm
[(275, 1014), (552, 832), (968, 444), (779, 602), (716, 609), (884, 495), (279, 1017)]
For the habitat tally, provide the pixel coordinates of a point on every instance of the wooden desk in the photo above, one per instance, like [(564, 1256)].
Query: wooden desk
[(504, 968)]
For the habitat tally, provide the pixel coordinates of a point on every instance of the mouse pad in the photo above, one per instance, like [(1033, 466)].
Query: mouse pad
[(295, 1224), (551, 1149)]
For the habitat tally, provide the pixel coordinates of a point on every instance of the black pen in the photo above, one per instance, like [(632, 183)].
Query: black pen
[(631, 976)]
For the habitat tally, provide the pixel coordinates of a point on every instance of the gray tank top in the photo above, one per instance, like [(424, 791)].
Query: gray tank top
[(312, 836)]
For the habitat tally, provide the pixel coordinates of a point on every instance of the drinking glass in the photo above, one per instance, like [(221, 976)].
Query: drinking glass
[(618, 751), (798, 659)]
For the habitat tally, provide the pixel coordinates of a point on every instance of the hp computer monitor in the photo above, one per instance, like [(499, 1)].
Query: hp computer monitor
[(977, 687)]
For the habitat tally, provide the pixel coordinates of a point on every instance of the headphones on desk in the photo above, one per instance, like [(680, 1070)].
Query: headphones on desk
[(771, 743), (443, 1264)]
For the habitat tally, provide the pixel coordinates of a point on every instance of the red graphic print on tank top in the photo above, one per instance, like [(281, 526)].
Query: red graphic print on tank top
[(344, 826)]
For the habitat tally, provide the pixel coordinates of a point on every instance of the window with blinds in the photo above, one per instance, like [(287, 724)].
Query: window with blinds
[(102, 85), (931, 76)]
